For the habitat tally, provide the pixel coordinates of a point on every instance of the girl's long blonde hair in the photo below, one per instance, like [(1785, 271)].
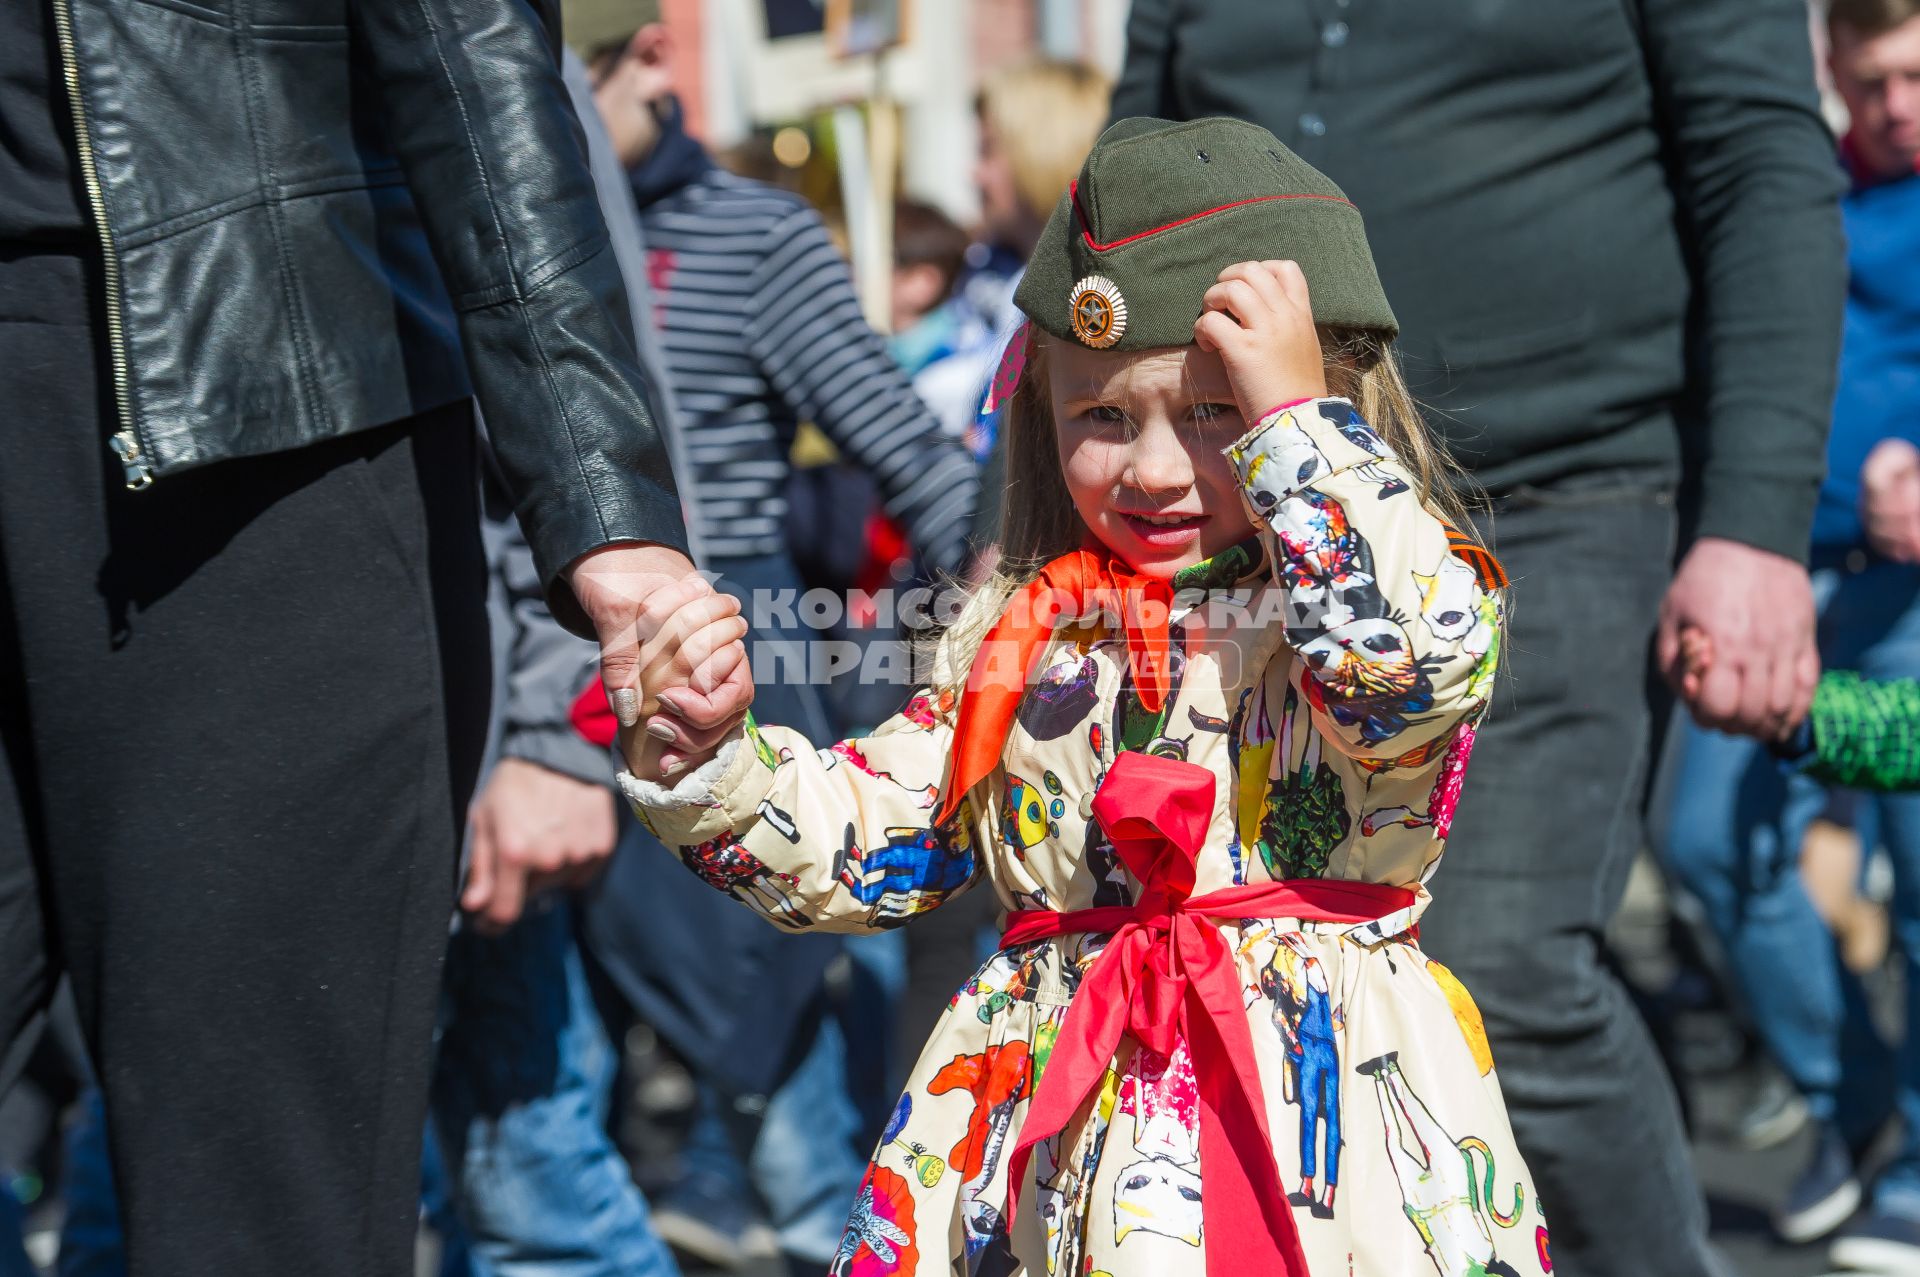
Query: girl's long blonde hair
[(1038, 520)]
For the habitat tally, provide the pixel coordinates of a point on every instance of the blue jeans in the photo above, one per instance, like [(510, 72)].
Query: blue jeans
[(520, 1104), (809, 1149), (1732, 838)]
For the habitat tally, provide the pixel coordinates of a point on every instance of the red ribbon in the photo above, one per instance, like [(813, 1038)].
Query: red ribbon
[(1167, 976)]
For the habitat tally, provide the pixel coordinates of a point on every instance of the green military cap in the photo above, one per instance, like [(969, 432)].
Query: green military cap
[(1160, 209), (590, 25)]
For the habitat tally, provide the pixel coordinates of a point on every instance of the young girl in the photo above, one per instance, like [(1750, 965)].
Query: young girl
[(1211, 1042)]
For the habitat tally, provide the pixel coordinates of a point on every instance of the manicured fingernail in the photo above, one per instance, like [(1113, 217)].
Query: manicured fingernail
[(626, 706), (660, 731), (673, 768)]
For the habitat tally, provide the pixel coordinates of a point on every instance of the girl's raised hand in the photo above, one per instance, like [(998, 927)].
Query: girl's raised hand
[(696, 652), (1259, 320)]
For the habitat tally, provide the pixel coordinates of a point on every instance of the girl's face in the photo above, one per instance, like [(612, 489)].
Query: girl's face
[(1141, 437)]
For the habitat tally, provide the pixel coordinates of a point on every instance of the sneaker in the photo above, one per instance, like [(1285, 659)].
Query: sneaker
[(713, 1224), (1827, 1192), (1880, 1243), (1775, 1116)]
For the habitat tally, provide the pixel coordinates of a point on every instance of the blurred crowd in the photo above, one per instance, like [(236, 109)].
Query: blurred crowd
[(1649, 300)]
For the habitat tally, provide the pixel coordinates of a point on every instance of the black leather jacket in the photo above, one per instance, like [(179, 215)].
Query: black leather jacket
[(324, 215)]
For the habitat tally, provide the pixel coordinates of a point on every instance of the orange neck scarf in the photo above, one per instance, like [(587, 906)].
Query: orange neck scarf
[(1066, 588)]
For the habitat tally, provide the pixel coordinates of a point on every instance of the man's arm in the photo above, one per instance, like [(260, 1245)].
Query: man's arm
[(1754, 171), (1146, 81), (1755, 177), (477, 113), (810, 340)]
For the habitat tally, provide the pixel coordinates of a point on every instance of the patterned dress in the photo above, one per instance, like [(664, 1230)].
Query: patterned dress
[(1329, 683)]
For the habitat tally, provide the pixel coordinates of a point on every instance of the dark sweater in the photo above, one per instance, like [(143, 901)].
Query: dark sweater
[(1549, 188)]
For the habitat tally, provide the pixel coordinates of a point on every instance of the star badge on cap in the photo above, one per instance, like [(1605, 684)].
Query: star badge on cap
[(1098, 311)]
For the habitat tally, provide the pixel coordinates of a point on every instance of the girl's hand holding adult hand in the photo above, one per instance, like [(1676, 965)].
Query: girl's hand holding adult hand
[(696, 654), (1259, 319)]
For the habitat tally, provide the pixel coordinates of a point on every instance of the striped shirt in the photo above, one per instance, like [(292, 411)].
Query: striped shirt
[(761, 330)]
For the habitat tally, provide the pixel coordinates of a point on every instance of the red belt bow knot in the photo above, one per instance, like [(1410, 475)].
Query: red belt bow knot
[(1167, 976)]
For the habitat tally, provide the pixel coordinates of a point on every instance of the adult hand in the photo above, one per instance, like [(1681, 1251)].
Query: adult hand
[(630, 591), (704, 634), (1755, 609), (533, 828), (1890, 499)]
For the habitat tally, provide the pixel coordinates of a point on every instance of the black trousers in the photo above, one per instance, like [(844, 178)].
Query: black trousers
[(1537, 862), (240, 717)]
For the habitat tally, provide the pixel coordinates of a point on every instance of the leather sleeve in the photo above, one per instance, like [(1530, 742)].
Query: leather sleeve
[(476, 110)]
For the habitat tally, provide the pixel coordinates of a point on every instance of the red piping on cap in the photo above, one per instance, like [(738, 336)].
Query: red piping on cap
[(1086, 232)]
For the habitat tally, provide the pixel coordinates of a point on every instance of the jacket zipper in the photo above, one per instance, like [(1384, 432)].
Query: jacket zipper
[(125, 443)]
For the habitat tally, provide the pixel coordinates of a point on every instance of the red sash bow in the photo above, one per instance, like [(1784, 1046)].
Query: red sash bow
[(1168, 975)]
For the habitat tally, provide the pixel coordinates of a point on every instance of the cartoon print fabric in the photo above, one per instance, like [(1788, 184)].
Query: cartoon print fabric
[(1331, 691)]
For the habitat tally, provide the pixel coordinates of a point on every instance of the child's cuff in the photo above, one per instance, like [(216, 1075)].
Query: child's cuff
[(722, 795), (698, 788)]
